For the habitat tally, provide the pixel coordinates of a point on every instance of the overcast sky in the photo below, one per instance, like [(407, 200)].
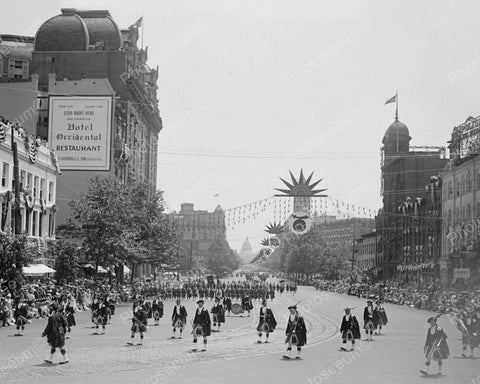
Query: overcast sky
[(300, 83)]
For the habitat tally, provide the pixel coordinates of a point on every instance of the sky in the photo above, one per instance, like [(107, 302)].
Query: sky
[(249, 90)]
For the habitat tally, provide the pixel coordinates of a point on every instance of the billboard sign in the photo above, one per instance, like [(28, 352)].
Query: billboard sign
[(466, 139), (461, 273), (80, 130)]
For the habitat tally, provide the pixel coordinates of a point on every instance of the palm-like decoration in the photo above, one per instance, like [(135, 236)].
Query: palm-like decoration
[(301, 187), (274, 229), (265, 242)]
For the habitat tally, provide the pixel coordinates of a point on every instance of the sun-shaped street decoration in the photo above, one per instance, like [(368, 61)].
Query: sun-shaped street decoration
[(302, 191)]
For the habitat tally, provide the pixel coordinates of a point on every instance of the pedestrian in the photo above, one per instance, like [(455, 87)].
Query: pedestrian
[(436, 347), (380, 316), (55, 333), (179, 319), (349, 329), (369, 320), (201, 326), (266, 323), (21, 316), (296, 332)]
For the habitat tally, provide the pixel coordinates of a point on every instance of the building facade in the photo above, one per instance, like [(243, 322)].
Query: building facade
[(405, 173), (365, 259), (461, 207), (197, 230)]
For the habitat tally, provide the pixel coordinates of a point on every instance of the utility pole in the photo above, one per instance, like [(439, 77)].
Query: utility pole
[(353, 252)]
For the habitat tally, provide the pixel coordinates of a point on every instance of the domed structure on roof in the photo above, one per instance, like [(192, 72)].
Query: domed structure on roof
[(75, 30), (397, 137), (246, 253)]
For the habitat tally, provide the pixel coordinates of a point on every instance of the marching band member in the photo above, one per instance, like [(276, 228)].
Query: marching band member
[(102, 317), (69, 313), (55, 332), (139, 323), (157, 309), (436, 347), (179, 318), (21, 316), (267, 322), (380, 316), (247, 304), (349, 329), (369, 320), (218, 314), (227, 303), (201, 326), (296, 332)]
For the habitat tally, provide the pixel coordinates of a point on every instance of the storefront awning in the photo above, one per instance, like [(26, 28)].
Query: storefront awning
[(37, 270)]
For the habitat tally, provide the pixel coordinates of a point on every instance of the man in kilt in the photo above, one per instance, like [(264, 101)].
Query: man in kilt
[(69, 313), (436, 347), (139, 323), (369, 320), (227, 303), (218, 314), (266, 323), (201, 326), (55, 332), (296, 332), (380, 316), (157, 309), (179, 318), (247, 304), (21, 316), (349, 329), (102, 317)]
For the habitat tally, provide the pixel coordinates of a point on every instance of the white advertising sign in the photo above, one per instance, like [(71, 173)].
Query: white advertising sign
[(79, 131), (461, 273)]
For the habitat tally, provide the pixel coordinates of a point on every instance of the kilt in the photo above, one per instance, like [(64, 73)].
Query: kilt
[(101, 320), (71, 320), (348, 335), (179, 323), (263, 326), (369, 325), (21, 321), (156, 314), (138, 326), (197, 330)]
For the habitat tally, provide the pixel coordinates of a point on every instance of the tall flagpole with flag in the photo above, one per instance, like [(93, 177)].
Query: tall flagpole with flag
[(391, 100)]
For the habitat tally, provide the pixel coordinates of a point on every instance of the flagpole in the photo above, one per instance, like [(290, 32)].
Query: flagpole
[(396, 114)]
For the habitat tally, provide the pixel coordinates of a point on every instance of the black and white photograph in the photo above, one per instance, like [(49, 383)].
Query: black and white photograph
[(239, 191)]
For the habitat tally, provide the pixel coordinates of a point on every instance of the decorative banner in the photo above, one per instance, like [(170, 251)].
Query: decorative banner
[(299, 223), (274, 242)]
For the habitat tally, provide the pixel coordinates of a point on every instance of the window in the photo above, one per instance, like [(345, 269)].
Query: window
[(29, 180), (50, 191), (27, 221), (469, 182), (17, 69), (450, 190), (5, 175), (469, 212), (35, 187), (34, 223), (457, 190), (40, 225), (50, 225), (42, 188), (22, 180)]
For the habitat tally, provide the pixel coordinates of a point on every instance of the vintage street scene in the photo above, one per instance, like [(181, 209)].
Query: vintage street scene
[(230, 192)]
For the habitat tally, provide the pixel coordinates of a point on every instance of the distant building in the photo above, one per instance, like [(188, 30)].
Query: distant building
[(15, 57), (197, 230), (406, 171), (367, 253), (246, 253)]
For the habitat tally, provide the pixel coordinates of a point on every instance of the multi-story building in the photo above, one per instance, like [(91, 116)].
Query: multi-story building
[(38, 171), (406, 171), (99, 104), (197, 230), (461, 206), (15, 58), (366, 254)]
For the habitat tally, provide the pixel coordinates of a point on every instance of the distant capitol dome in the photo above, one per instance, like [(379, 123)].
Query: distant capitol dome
[(75, 30), (246, 253)]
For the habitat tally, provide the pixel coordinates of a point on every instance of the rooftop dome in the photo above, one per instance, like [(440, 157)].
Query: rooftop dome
[(76, 30), (397, 137)]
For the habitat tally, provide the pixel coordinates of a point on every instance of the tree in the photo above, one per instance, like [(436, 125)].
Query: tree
[(66, 253), (220, 257), (14, 254)]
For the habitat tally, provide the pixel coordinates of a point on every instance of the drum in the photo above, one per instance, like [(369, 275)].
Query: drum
[(237, 309)]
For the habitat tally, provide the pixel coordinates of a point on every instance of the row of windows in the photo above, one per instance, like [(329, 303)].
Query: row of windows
[(464, 214), (34, 223), (367, 249), (460, 187), (17, 69), (35, 184)]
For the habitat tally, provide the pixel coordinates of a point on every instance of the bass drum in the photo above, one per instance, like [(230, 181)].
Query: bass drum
[(237, 309)]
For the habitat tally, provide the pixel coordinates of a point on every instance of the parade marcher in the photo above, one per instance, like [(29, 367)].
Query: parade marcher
[(218, 314), (267, 322), (296, 332), (139, 323), (227, 303), (247, 304), (55, 332), (381, 317), (102, 317), (201, 326), (21, 316), (369, 319), (436, 347), (349, 329), (157, 309), (179, 319), (69, 313)]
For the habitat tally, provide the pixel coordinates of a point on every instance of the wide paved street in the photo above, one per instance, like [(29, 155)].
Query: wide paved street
[(233, 355)]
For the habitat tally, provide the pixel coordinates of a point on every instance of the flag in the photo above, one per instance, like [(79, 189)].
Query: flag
[(139, 23), (391, 100)]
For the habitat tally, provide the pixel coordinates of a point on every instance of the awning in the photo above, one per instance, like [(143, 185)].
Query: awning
[(37, 270), (101, 269), (126, 269)]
